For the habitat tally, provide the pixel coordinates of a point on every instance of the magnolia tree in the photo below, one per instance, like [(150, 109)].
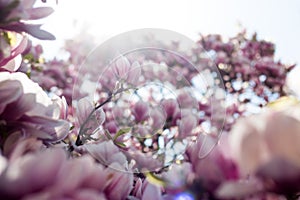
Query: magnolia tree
[(148, 114)]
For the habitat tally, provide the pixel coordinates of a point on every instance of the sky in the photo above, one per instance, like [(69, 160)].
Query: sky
[(274, 20)]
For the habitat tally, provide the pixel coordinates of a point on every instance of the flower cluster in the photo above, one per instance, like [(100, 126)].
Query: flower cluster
[(212, 122), (15, 21)]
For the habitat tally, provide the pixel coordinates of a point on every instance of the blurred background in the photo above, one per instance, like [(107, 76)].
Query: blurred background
[(277, 21), (274, 20)]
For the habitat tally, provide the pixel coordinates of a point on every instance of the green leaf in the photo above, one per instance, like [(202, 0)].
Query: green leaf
[(120, 144), (121, 132), (152, 178)]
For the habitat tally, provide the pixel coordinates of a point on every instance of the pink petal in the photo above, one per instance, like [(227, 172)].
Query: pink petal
[(170, 106), (186, 125), (18, 108), (15, 52), (158, 118), (36, 32), (40, 12), (28, 3), (54, 130), (10, 90), (238, 190), (134, 73), (121, 67), (140, 111), (151, 192), (31, 172), (84, 108), (121, 184), (13, 64), (90, 122), (89, 194), (106, 153)]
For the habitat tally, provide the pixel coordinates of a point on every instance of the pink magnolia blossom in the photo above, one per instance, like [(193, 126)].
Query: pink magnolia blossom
[(120, 184), (121, 68), (241, 189), (186, 100), (125, 71), (134, 73), (107, 153), (25, 10), (186, 125), (267, 145), (171, 109), (158, 118), (108, 80), (49, 175), (111, 126), (16, 15), (211, 169), (33, 125), (88, 120), (25, 107), (140, 111), (144, 162), (56, 76)]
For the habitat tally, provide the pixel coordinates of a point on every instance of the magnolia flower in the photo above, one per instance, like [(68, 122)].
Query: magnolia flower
[(106, 153), (186, 100), (140, 111), (120, 184), (49, 174), (120, 71), (144, 162), (15, 15), (210, 165), (89, 118), (186, 125), (16, 146), (111, 126), (121, 68), (267, 145), (26, 108), (172, 111), (108, 80), (158, 118), (55, 76), (171, 107), (125, 71)]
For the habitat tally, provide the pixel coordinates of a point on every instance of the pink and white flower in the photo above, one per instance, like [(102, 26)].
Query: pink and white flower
[(16, 14), (26, 108), (267, 145)]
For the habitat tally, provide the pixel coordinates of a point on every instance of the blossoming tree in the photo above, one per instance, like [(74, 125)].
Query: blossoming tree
[(143, 116)]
